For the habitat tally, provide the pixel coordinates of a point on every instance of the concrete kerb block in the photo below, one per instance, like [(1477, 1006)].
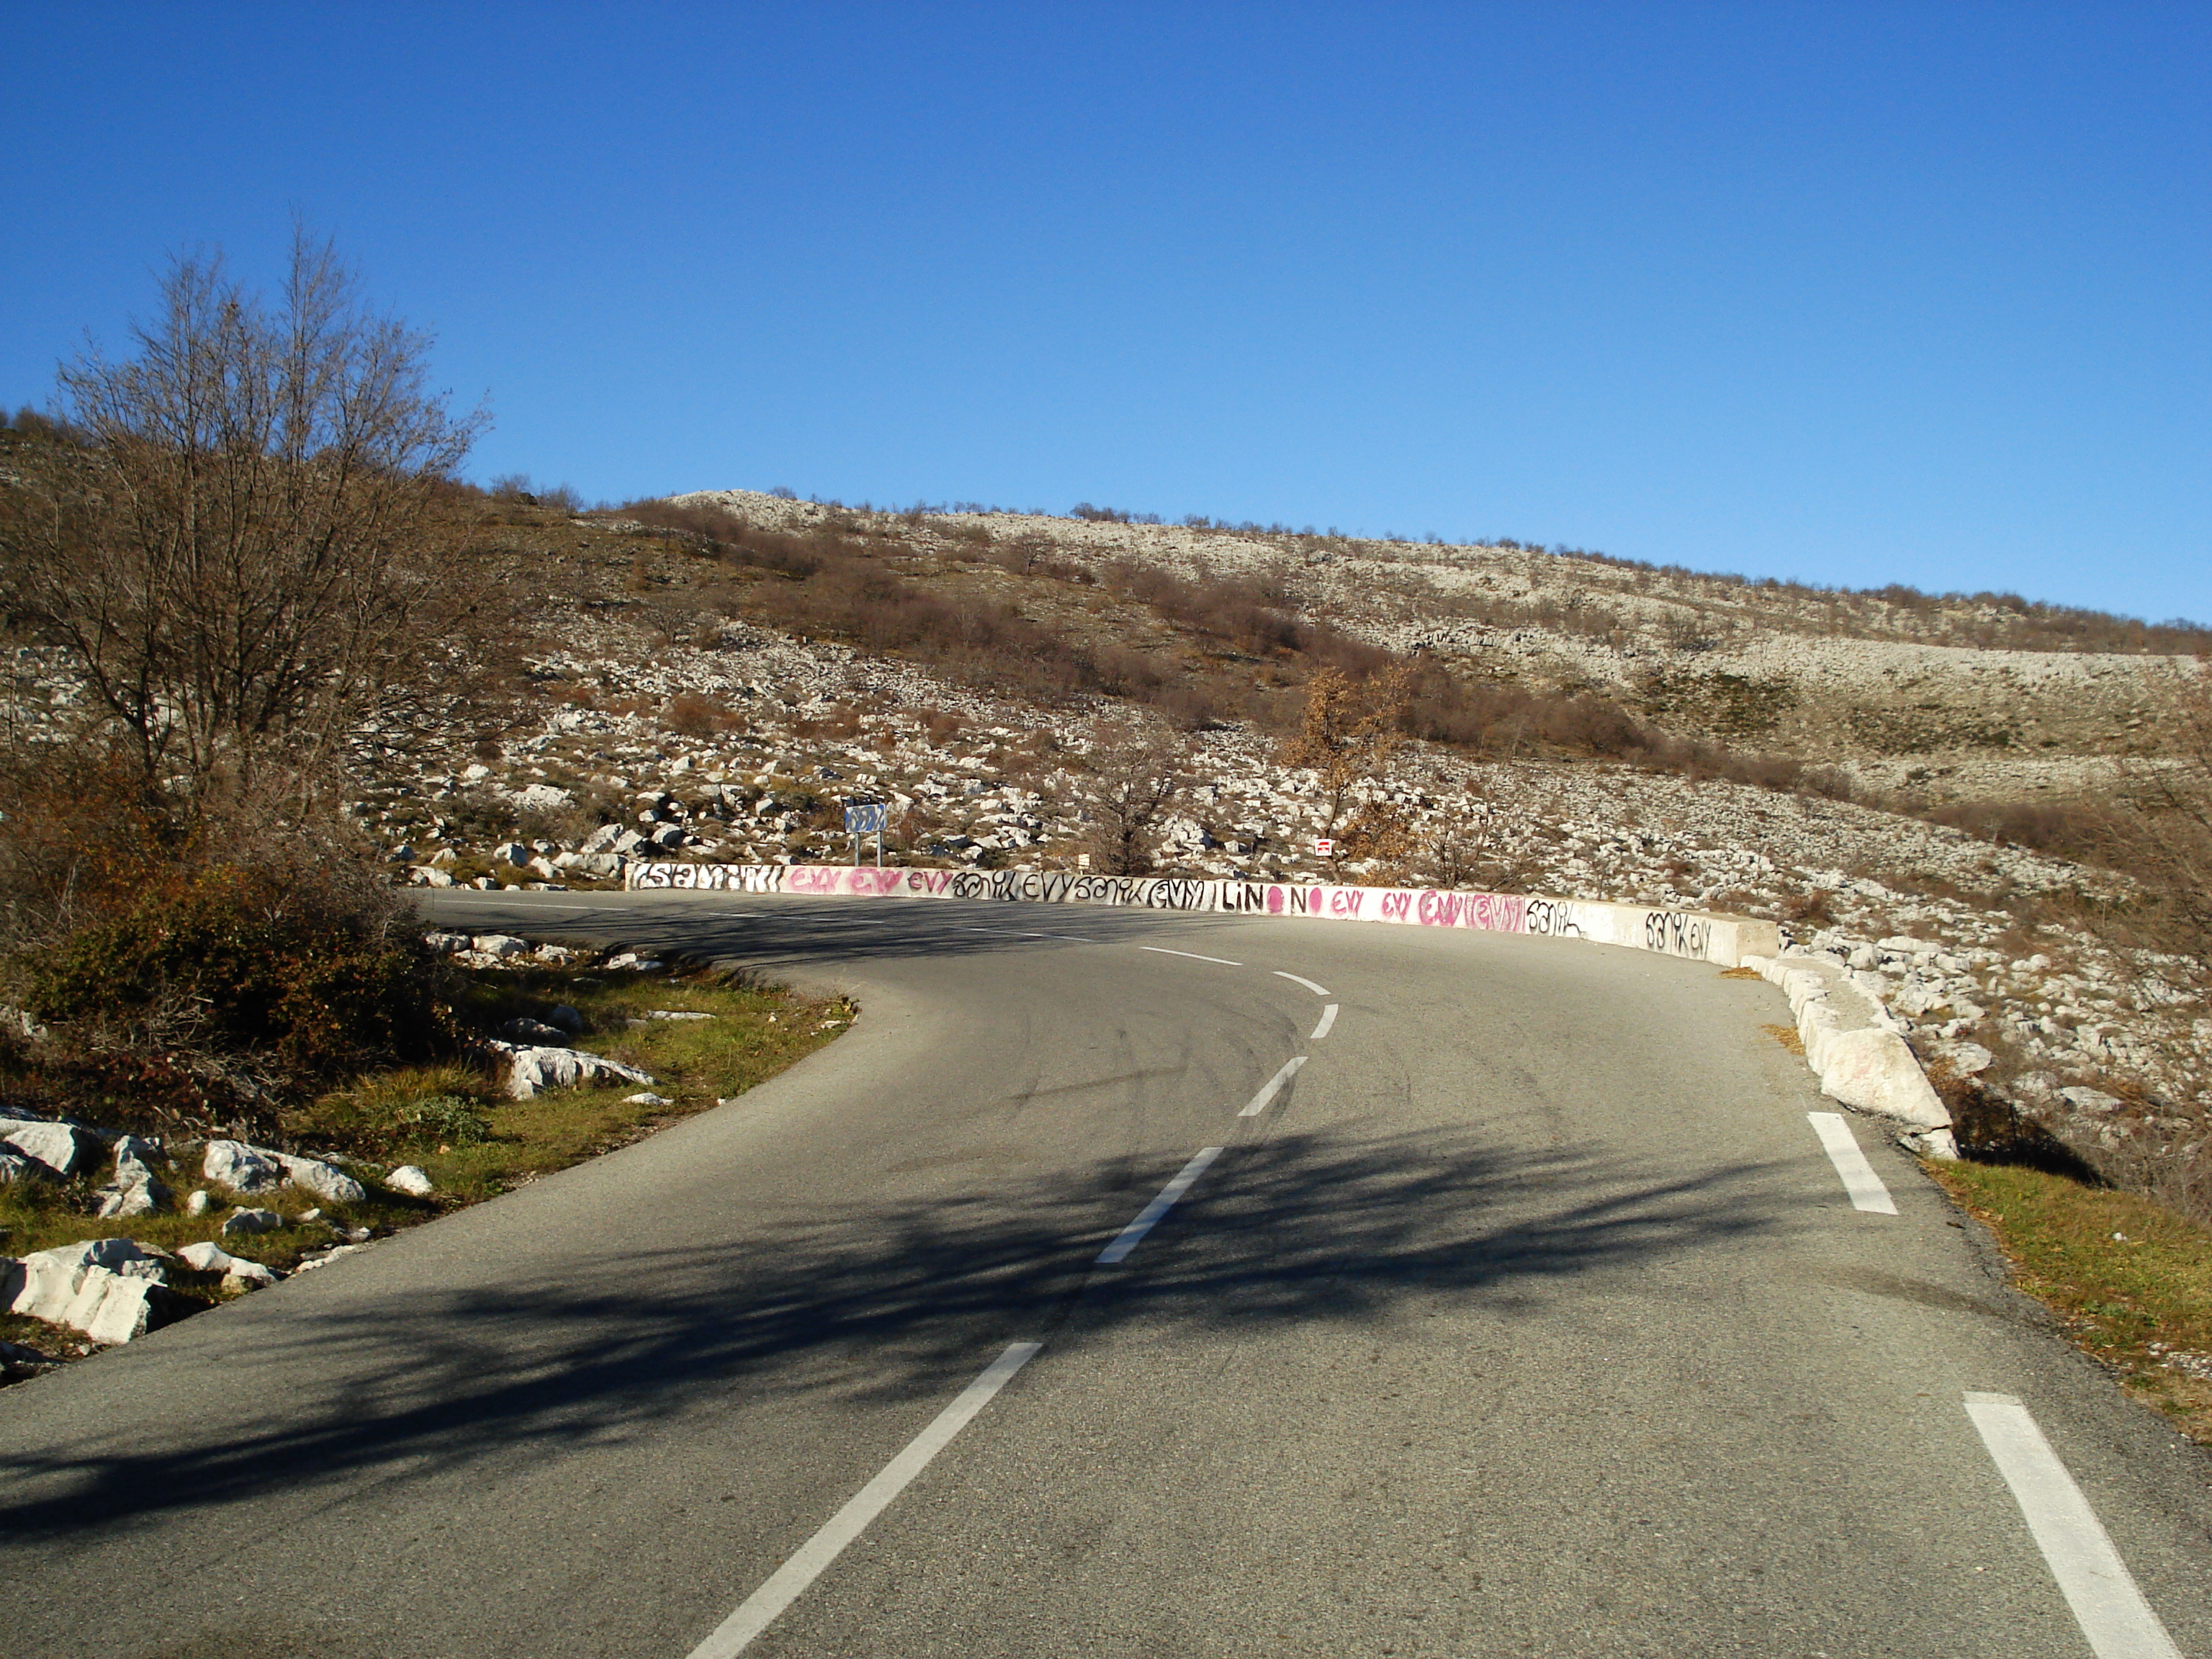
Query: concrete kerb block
[(1857, 1050)]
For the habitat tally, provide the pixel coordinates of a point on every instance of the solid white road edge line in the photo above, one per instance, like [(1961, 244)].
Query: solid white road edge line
[(1131, 1235), (1267, 1092), (2095, 1582), (1296, 979), (1327, 1019), (788, 1582), (1860, 1181), (1163, 950)]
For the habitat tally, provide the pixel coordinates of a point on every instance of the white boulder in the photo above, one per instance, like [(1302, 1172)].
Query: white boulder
[(501, 945), (22, 1166), (410, 1179), (533, 1070), (110, 1289), (326, 1180), (2094, 1101), (62, 1147), (252, 1221), (243, 1169)]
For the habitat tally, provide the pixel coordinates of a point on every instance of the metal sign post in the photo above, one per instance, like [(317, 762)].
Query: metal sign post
[(861, 819)]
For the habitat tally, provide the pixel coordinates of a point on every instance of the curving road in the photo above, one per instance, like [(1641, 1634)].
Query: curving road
[(1529, 1315)]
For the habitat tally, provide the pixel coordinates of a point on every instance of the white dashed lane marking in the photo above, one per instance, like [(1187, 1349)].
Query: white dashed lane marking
[(1163, 950), (789, 1582), (1318, 990), (1860, 1181), (1327, 1019), (1133, 1235), (2095, 1581), (1271, 1087)]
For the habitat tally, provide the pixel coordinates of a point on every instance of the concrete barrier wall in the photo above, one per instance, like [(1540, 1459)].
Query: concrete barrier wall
[(1716, 939)]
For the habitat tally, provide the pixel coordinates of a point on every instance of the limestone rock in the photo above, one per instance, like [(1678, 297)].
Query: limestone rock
[(501, 945), (253, 1221), (531, 1070), (532, 1031), (2094, 1101), (326, 1180), (243, 1169), (143, 1198), (410, 1179), (110, 1289), (62, 1147), (22, 1166), (199, 1203)]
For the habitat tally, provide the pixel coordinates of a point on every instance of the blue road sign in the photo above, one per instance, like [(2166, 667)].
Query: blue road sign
[(865, 818)]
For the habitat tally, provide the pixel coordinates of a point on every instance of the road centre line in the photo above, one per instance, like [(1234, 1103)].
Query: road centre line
[(1860, 1181), (2095, 1582), (1259, 1102), (1327, 1019), (1133, 1235), (1295, 979), (789, 1582), (1163, 950)]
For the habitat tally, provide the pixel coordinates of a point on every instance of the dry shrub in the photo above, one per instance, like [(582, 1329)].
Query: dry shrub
[(2069, 828), (693, 715), (219, 993)]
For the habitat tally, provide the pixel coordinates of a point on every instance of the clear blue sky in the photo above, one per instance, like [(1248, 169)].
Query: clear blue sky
[(1850, 293)]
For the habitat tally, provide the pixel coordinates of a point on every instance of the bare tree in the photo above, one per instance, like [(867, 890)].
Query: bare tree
[(1351, 736), (1135, 777), (234, 559)]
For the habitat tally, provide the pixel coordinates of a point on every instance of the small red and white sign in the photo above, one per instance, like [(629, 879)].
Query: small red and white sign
[(1325, 849)]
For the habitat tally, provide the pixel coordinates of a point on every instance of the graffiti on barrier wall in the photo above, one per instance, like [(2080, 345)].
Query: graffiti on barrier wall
[(1673, 932)]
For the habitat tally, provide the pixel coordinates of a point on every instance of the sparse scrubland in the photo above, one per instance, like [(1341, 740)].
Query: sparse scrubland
[(1998, 813)]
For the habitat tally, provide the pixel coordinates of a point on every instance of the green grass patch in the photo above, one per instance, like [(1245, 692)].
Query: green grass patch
[(456, 1123), (2131, 1281)]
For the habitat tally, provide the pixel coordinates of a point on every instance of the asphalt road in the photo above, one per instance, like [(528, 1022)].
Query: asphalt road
[(1529, 1316)]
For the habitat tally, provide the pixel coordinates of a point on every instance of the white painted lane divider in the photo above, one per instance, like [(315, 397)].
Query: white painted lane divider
[(1133, 1235), (1318, 990), (1327, 1019), (1274, 1085), (2095, 1582), (789, 1582), (1860, 1181), (1163, 950)]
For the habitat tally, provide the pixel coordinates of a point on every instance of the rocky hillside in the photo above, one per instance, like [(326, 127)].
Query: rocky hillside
[(713, 679)]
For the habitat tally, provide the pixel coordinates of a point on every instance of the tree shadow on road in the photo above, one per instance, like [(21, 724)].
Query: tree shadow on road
[(873, 1306)]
